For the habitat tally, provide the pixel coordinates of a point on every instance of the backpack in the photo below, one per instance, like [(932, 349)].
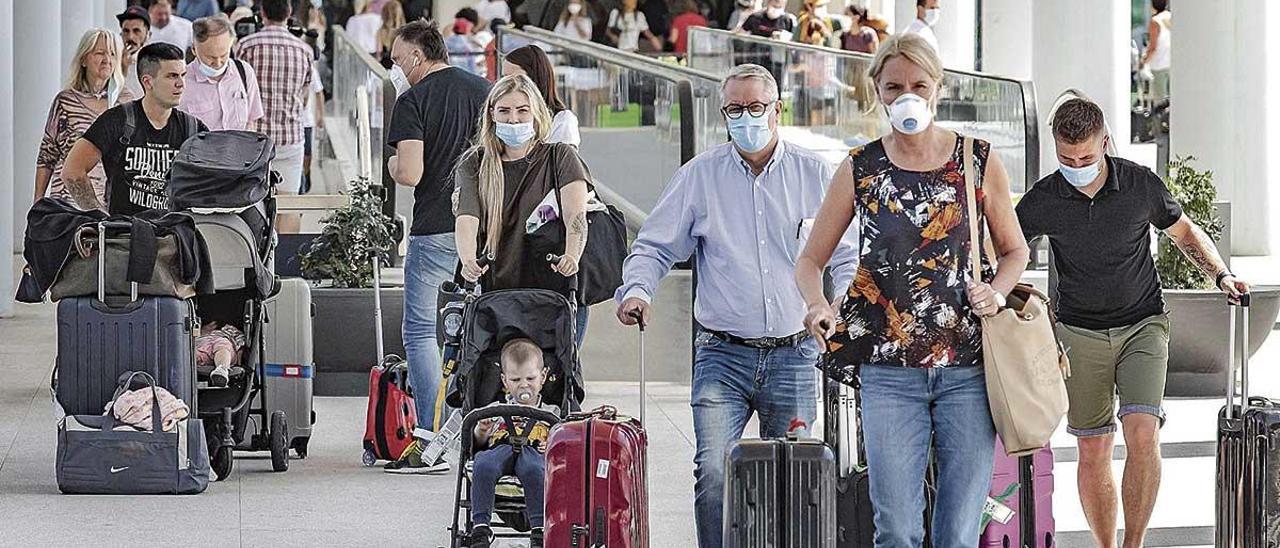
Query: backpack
[(131, 124)]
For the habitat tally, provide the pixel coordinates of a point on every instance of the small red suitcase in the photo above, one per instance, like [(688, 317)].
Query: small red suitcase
[(597, 486), (392, 416)]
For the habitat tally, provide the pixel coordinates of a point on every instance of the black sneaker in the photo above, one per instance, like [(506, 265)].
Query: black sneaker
[(481, 537), (535, 537)]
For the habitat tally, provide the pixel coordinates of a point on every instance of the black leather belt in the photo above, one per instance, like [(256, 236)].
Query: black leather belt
[(761, 342)]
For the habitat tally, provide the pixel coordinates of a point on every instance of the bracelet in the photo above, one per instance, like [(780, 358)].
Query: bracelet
[(1217, 281)]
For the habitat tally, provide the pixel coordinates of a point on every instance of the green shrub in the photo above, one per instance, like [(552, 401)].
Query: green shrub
[(1194, 191), (351, 236)]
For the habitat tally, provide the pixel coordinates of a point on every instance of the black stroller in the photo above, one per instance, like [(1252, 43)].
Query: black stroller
[(223, 180), (488, 321)]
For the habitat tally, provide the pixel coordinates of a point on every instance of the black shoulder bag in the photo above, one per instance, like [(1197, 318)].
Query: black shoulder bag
[(599, 268)]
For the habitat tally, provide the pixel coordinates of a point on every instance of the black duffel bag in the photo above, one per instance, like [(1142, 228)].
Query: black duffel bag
[(95, 458), (599, 268), (221, 169)]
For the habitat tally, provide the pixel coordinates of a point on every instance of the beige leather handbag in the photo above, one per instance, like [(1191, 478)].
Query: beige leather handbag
[(1025, 365)]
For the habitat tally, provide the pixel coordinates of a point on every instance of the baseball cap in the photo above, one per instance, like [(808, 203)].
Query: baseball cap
[(135, 12)]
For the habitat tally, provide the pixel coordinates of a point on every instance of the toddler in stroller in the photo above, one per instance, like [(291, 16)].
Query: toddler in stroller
[(515, 348), (503, 448), (219, 346)]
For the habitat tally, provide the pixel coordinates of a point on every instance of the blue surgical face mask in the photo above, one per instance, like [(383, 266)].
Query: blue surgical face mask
[(210, 72), (751, 134), (1080, 177), (515, 135)]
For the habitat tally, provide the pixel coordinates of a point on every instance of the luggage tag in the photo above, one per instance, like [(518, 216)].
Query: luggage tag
[(447, 442), (995, 509)]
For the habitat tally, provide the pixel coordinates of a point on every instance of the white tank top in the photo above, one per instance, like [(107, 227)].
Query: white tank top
[(1161, 57)]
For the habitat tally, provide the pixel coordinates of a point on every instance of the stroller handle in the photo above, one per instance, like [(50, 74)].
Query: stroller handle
[(552, 259)]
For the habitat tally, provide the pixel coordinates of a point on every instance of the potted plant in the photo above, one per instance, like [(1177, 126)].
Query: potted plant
[(339, 264), (1198, 312)]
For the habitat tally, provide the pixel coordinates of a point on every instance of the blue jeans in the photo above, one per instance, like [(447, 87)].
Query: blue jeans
[(580, 332), (906, 411), (429, 261), (491, 464), (730, 382)]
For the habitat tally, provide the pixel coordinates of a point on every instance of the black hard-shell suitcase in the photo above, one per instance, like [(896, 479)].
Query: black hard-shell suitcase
[(855, 516), (780, 493), (100, 338), (1248, 464)]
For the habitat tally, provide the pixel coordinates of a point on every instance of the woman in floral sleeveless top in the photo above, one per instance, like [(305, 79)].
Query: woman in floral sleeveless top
[(910, 320)]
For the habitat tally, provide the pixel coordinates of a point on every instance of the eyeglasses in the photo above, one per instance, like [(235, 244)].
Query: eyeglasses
[(756, 110)]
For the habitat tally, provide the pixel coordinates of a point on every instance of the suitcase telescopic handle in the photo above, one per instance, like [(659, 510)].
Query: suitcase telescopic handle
[(1238, 305), (103, 226), (644, 403)]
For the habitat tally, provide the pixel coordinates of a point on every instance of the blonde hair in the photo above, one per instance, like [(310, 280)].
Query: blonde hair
[(392, 20), (78, 76), (910, 47), (490, 148)]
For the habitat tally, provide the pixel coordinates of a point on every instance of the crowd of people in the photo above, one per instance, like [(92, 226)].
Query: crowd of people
[(484, 156)]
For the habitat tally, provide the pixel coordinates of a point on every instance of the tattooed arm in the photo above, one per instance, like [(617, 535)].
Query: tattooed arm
[(75, 174), (574, 210), (1200, 249)]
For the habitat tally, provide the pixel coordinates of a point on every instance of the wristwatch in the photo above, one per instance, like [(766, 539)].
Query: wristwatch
[(1217, 281)]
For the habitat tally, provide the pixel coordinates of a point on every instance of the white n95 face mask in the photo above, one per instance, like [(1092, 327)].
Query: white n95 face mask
[(910, 114), (932, 16), (398, 79)]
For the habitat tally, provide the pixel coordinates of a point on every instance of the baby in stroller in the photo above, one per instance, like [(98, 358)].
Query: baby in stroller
[(219, 346), (523, 374)]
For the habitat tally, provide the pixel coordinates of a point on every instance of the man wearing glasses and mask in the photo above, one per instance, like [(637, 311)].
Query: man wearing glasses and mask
[(745, 209)]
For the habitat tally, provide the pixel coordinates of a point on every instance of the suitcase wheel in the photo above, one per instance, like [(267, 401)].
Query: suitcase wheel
[(300, 446), (279, 442), (368, 459)]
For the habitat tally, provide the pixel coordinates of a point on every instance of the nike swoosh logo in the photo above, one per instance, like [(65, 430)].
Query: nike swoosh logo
[(120, 469)]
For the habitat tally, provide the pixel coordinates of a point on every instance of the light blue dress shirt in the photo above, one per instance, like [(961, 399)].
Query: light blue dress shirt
[(748, 230)]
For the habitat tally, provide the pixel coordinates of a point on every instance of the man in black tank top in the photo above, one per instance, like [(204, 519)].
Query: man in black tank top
[(1097, 211)]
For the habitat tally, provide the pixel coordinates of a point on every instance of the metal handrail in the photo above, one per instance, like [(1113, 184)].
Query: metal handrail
[(365, 57), (616, 55)]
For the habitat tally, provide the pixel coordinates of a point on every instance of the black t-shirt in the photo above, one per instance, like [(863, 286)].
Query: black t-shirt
[(761, 25), (137, 168), (1101, 246), (441, 111)]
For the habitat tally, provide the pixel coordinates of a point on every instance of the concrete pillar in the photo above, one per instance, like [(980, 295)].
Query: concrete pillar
[(77, 17), (1082, 45), (37, 49), (1006, 38), (6, 168), (1226, 86)]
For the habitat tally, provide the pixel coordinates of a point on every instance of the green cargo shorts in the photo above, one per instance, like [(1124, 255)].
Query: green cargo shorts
[(1129, 361)]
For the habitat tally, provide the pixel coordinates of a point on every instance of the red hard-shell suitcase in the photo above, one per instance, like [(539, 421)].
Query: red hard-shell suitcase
[(597, 485), (1024, 485), (596, 482)]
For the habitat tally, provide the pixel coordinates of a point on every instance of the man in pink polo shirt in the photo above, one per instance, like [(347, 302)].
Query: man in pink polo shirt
[(222, 92)]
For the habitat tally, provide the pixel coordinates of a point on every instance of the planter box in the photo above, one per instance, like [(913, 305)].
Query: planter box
[(345, 346), (1199, 338)]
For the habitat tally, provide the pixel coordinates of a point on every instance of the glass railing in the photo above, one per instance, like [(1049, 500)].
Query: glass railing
[(831, 106), (357, 73), (640, 118)]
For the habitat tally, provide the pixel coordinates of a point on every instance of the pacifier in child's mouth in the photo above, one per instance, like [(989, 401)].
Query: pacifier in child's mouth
[(524, 396)]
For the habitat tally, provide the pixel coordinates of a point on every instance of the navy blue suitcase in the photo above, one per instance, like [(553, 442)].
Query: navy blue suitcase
[(98, 342)]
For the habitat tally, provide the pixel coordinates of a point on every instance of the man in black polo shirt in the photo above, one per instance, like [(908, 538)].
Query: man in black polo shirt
[(1097, 211)]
